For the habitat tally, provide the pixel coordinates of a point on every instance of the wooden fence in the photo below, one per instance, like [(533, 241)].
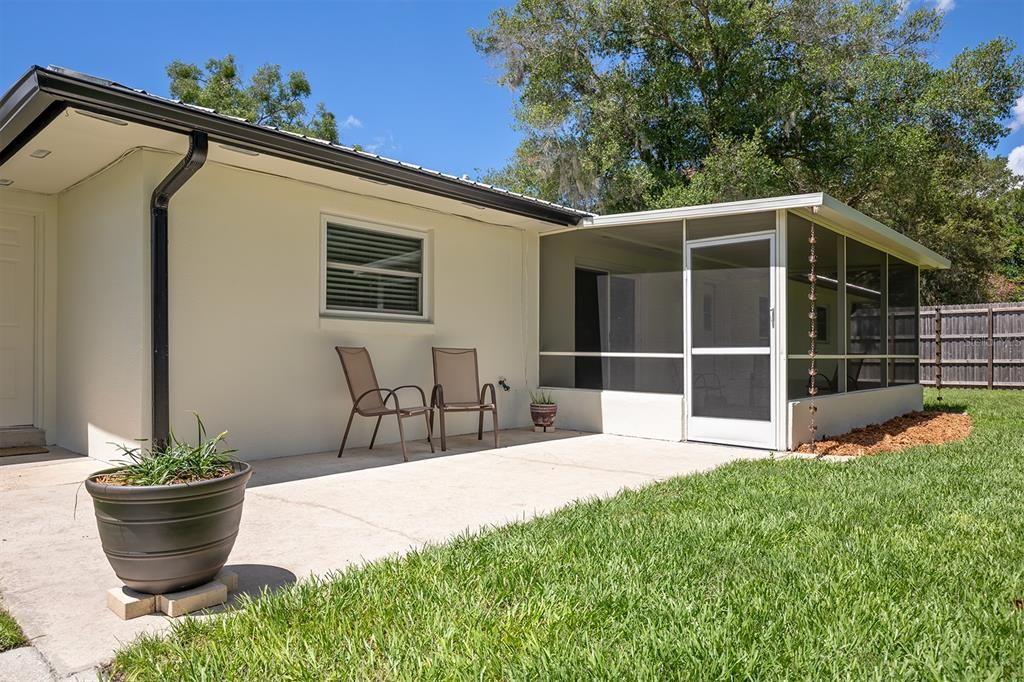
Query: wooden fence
[(982, 345)]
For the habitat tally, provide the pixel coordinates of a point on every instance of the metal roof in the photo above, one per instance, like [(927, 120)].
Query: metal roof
[(43, 92)]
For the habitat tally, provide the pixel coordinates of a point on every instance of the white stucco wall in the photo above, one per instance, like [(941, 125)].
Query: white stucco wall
[(102, 311), (839, 413), (623, 413), (249, 349)]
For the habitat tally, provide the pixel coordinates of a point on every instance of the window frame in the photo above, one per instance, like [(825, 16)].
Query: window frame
[(425, 274)]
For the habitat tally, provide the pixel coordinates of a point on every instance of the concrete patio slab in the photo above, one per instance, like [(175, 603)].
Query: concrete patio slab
[(307, 515)]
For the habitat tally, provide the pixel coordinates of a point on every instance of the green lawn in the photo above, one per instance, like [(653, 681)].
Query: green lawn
[(897, 566), (11, 636)]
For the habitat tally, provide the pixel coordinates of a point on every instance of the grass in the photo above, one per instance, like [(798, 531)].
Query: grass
[(11, 636), (898, 566)]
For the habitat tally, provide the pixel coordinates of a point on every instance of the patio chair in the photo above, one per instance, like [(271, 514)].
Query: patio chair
[(457, 389), (370, 400)]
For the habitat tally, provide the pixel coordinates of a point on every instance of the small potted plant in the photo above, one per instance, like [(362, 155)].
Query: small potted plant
[(542, 410), (169, 517)]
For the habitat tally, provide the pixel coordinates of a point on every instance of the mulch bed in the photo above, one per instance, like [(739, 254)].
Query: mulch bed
[(916, 428)]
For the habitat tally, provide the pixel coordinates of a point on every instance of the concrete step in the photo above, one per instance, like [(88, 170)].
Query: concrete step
[(21, 436)]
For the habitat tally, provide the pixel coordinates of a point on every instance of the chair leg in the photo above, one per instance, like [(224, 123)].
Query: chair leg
[(351, 416), (444, 438), (430, 427), (480, 427), (401, 437), (376, 426), (494, 423)]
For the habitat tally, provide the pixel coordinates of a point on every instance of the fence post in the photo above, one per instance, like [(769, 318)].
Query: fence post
[(991, 350)]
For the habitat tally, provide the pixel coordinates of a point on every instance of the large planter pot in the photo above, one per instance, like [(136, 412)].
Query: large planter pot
[(165, 538), (543, 415)]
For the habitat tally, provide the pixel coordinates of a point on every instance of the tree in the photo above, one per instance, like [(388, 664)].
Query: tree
[(268, 99), (634, 104)]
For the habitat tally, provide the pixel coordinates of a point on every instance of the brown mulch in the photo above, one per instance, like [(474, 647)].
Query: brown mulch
[(916, 428)]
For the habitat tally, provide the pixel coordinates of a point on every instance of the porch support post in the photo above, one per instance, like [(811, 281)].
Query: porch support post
[(782, 350), (159, 203)]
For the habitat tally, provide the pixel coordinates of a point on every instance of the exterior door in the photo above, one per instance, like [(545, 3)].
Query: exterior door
[(17, 319), (730, 340)]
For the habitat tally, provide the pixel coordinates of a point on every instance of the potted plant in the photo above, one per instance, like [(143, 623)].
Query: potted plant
[(542, 410), (168, 518)]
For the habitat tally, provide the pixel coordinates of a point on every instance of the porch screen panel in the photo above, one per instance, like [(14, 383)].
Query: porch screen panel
[(611, 309), (904, 319), (867, 314), (865, 268), (373, 271)]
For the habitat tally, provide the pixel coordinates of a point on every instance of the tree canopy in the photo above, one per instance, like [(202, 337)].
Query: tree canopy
[(269, 98), (636, 104)]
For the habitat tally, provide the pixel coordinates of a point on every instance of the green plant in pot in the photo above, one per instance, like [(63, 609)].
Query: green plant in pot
[(542, 409), (169, 517)]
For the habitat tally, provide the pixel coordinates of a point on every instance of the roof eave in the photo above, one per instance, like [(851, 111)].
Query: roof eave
[(867, 229), (43, 90)]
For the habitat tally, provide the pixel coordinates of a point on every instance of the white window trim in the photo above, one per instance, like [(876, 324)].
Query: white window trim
[(425, 276)]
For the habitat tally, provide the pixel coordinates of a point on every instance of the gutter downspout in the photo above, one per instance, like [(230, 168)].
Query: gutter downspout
[(161, 199)]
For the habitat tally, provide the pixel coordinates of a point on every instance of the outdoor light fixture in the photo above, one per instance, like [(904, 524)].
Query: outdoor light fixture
[(102, 117), (6, 182), (238, 150), (40, 154)]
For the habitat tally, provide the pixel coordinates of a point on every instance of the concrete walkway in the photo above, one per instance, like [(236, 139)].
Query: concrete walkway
[(304, 515)]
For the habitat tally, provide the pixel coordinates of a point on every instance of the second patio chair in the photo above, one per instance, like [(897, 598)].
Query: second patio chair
[(370, 400), (457, 389)]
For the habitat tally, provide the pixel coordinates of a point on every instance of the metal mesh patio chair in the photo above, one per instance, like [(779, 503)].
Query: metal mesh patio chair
[(370, 400), (457, 389)]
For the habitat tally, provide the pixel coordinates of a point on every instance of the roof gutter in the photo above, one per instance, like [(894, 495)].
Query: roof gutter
[(40, 87), (198, 148)]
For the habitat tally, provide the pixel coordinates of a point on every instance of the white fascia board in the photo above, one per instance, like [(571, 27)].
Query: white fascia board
[(819, 206), (705, 210)]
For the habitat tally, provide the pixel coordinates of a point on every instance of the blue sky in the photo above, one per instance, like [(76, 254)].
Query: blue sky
[(405, 72)]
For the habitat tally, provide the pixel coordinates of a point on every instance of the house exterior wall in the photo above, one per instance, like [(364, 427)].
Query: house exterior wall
[(842, 412), (249, 350), (102, 311)]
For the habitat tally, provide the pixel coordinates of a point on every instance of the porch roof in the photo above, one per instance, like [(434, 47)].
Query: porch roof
[(822, 208)]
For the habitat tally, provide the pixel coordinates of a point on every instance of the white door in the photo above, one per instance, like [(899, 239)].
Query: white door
[(17, 318), (730, 293)]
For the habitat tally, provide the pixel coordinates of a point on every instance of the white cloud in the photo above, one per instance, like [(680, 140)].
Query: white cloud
[(1018, 114), (383, 144), (944, 6), (351, 122), (1015, 161)]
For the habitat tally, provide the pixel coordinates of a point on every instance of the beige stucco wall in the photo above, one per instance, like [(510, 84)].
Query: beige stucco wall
[(249, 349), (102, 311)]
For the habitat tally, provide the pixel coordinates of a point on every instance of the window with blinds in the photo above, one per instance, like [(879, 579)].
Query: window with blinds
[(373, 271)]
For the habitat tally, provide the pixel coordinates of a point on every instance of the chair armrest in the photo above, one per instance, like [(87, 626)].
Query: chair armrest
[(423, 397), (494, 395), (437, 396), (388, 393)]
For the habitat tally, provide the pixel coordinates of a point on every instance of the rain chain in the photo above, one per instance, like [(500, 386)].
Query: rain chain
[(812, 370)]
